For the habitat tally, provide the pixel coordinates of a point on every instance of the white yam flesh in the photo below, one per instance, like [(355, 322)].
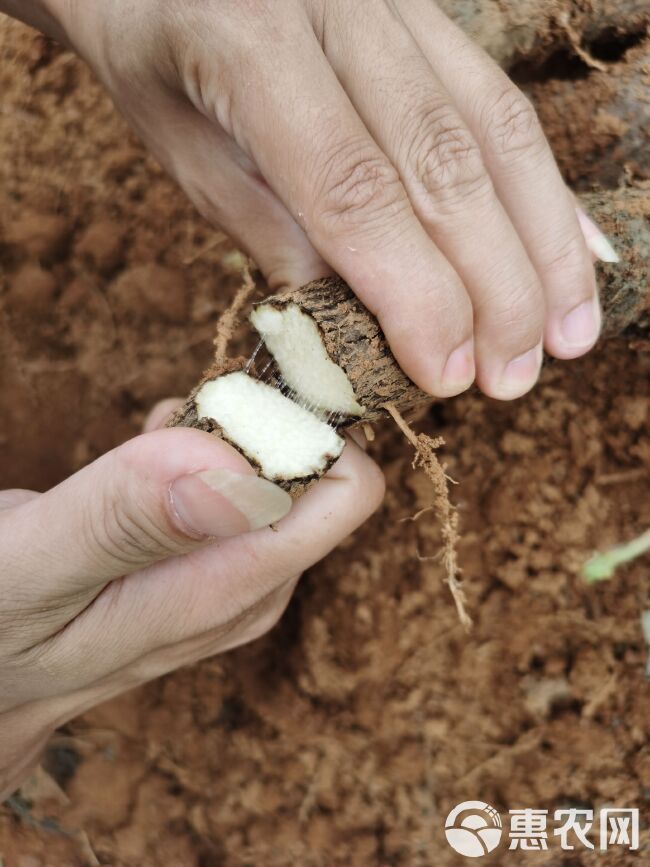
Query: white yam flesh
[(293, 339), (283, 438)]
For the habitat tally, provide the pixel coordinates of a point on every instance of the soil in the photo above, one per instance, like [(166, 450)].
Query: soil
[(346, 735)]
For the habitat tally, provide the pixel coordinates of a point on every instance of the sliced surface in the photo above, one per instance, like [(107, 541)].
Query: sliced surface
[(293, 339), (285, 440)]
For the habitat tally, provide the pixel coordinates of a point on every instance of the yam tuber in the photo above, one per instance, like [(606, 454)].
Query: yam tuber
[(514, 29), (334, 367), (599, 125)]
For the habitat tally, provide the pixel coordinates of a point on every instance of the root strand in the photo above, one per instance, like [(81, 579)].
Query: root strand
[(426, 458), (230, 319)]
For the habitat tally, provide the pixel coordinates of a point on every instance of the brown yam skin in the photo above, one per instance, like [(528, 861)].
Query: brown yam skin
[(599, 126), (624, 216), (510, 30)]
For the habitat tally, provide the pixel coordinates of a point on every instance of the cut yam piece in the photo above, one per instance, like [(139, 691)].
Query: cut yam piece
[(293, 339), (331, 351), (293, 446), (283, 439)]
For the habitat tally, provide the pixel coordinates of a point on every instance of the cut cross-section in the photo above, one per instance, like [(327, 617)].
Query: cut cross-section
[(285, 440), (293, 339)]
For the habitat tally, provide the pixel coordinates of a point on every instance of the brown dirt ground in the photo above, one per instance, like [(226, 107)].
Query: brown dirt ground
[(345, 736)]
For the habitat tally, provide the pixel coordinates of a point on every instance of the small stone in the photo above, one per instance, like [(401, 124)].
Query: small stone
[(31, 288), (102, 245), (149, 292), (40, 236)]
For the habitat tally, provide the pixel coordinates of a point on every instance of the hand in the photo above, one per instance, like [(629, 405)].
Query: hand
[(155, 556), (376, 137)]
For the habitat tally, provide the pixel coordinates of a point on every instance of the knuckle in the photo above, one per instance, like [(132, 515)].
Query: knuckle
[(513, 127), (107, 536), (28, 611), (447, 161), (515, 310), (357, 189), (24, 622), (565, 257), (118, 533), (517, 321)]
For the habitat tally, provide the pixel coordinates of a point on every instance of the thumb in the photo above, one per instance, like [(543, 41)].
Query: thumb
[(14, 497), (157, 495)]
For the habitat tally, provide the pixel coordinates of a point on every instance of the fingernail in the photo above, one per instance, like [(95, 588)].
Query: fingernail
[(359, 436), (597, 243), (459, 371), (222, 503), (581, 325), (520, 374)]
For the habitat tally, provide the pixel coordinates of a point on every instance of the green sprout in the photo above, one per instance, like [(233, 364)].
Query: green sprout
[(602, 566)]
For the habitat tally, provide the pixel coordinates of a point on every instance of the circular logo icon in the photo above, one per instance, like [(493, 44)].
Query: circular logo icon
[(473, 829)]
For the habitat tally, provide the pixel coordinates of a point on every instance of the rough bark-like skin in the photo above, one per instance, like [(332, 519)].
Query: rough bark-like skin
[(511, 30), (355, 342), (599, 125), (624, 216)]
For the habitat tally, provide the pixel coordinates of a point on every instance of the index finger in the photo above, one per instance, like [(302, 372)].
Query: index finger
[(303, 132)]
